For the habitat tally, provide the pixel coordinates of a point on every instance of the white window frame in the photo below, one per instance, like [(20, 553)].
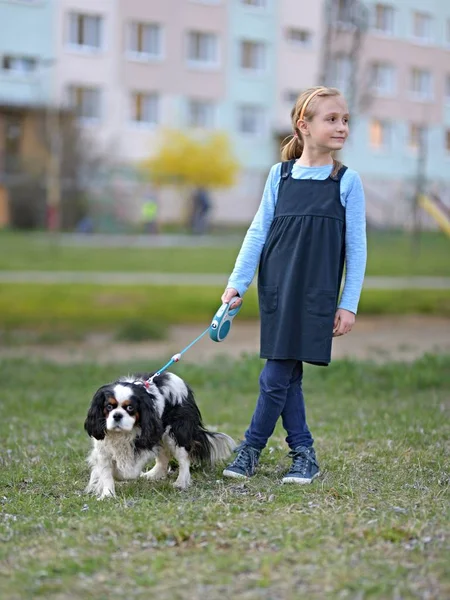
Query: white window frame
[(420, 94), (143, 97), (384, 131), (390, 10), (201, 63), (380, 73), (256, 112), (143, 55), (84, 47), (256, 47), (85, 119), (427, 19)]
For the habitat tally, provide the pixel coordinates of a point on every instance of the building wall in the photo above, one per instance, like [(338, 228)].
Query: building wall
[(255, 152), (172, 77), (77, 67), (26, 29), (290, 67), (298, 65), (390, 173)]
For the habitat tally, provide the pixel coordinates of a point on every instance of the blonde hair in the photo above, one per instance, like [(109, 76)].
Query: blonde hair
[(305, 108)]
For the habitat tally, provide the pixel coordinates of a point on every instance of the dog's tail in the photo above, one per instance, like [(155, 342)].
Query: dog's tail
[(213, 447)]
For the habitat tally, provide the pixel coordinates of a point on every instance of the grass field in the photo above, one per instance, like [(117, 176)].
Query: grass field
[(375, 525), (50, 313), (390, 254)]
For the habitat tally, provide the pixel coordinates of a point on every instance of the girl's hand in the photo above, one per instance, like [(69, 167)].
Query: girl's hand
[(343, 322), (228, 294)]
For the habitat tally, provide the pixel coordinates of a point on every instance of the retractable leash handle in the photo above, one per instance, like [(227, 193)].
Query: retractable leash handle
[(218, 331), (222, 320)]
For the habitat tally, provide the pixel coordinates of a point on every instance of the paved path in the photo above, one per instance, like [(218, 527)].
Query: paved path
[(123, 278)]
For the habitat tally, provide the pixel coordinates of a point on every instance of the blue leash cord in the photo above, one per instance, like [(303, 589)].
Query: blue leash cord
[(218, 331), (177, 357)]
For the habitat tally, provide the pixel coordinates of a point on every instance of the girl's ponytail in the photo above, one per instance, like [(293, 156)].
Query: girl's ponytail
[(293, 148)]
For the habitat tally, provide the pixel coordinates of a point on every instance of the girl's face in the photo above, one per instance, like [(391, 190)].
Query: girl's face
[(328, 129)]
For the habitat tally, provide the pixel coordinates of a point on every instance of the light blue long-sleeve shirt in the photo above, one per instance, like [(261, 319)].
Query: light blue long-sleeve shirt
[(352, 199)]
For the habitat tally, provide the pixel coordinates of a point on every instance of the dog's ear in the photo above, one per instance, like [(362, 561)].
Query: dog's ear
[(150, 424), (95, 423)]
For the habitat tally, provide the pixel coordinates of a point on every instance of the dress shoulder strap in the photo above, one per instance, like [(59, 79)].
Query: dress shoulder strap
[(286, 168), (339, 174)]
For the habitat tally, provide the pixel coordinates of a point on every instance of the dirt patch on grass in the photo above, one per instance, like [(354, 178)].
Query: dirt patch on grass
[(373, 338)]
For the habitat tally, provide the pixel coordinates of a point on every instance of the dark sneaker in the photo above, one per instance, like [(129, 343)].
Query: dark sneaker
[(245, 463), (304, 467)]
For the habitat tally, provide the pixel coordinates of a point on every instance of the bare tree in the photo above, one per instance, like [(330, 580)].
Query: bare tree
[(346, 23)]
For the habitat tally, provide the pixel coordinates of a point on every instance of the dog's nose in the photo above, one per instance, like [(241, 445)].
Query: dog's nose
[(117, 416)]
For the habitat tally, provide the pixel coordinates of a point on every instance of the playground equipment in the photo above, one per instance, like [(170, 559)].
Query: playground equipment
[(436, 209)]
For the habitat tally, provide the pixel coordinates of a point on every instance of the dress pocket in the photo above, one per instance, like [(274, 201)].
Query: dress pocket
[(268, 298), (321, 303)]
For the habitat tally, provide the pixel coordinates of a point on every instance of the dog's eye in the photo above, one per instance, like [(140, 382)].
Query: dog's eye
[(130, 409), (109, 407)]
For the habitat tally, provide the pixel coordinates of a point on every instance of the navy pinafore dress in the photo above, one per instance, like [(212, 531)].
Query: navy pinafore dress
[(301, 268)]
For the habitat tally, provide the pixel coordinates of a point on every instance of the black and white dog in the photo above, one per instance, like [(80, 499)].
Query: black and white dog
[(132, 423)]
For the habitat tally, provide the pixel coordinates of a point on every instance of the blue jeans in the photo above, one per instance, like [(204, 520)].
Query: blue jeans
[(280, 394)]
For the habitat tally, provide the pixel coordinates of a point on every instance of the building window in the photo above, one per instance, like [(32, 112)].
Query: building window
[(447, 141), (255, 3), (291, 96), (18, 64), (85, 101), (383, 18), (416, 136), (203, 48), (145, 40), (421, 84), (201, 113), (422, 26), (253, 56), (145, 108), (85, 31), (380, 134), (383, 79), (299, 37), (342, 12), (251, 120)]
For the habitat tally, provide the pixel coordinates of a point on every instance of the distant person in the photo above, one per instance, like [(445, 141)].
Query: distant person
[(310, 222), (150, 213), (86, 225), (201, 207)]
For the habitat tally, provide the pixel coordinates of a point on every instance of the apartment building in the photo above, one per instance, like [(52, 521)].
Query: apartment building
[(129, 69), (26, 77), (401, 126)]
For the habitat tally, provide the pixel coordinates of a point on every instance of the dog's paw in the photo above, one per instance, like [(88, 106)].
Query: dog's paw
[(154, 474), (107, 493), (182, 484)]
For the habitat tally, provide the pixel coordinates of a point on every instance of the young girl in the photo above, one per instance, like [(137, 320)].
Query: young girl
[(311, 220)]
